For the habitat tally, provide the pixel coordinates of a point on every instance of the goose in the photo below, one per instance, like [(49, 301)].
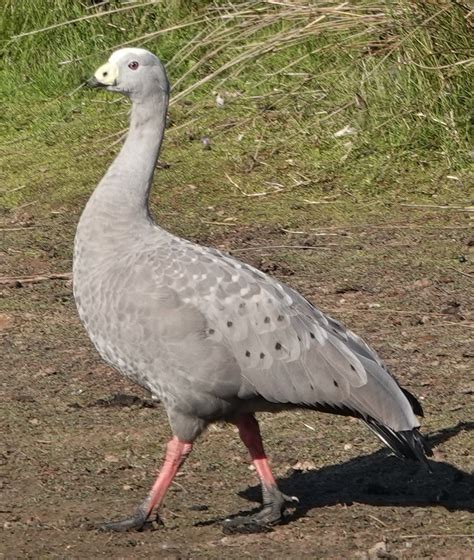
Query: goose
[(214, 339)]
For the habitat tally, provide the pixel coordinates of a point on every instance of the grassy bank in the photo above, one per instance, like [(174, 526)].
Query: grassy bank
[(360, 107)]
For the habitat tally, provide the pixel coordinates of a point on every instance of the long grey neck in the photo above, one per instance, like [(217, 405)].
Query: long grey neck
[(123, 192)]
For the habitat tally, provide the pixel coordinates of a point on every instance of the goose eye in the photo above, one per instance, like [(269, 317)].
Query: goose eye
[(133, 65)]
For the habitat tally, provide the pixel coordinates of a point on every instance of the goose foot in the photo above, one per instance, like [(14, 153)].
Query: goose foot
[(137, 522), (272, 513)]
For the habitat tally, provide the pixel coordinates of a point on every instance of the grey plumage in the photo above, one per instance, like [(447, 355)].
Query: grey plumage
[(210, 336)]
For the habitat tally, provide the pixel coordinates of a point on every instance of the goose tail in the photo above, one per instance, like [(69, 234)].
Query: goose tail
[(406, 444)]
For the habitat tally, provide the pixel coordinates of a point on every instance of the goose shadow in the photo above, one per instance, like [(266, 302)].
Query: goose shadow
[(381, 479)]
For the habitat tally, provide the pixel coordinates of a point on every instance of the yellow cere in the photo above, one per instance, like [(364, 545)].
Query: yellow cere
[(107, 74)]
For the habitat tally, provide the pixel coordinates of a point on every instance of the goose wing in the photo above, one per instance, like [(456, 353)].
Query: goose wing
[(287, 350)]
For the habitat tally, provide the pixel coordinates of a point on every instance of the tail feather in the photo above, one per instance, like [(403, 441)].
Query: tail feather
[(414, 403), (406, 444)]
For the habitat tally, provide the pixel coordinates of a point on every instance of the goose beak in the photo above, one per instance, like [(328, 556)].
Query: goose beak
[(94, 83), (105, 76)]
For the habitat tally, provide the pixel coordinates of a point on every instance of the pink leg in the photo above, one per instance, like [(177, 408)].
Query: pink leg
[(274, 501), (249, 432), (176, 453)]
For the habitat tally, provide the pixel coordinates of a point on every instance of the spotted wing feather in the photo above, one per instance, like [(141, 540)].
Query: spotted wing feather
[(287, 350)]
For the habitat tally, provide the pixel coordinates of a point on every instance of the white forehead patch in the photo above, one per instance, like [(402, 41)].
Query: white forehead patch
[(117, 55)]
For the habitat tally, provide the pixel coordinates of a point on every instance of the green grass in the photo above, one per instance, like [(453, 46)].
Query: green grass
[(401, 80)]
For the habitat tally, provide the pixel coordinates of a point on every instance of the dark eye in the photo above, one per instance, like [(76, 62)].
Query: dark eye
[(133, 65)]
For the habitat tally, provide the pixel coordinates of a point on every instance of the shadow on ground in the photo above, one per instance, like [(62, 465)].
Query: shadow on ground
[(381, 480)]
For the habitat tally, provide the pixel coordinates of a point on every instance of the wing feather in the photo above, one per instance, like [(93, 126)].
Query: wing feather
[(288, 351)]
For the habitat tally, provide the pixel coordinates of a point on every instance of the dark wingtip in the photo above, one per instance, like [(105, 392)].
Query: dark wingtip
[(414, 403), (406, 444), (417, 444)]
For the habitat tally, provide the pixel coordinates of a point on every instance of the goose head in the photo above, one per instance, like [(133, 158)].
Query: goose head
[(136, 73)]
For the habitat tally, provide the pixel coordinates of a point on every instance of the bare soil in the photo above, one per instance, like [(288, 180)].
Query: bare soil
[(81, 445)]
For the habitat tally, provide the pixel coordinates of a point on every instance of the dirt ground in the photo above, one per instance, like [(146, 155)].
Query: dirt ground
[(81, 445)]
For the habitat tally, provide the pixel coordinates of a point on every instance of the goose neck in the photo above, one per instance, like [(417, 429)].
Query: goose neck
[(125, 188)]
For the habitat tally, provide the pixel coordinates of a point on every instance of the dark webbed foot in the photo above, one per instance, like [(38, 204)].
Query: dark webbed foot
[(138, 522), (272, 513)]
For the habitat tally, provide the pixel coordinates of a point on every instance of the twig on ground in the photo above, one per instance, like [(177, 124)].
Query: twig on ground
[(18, 228), (444, 207), (229, 224), (4, 192), (458, 535), (120, 133), (387, 226), (296, 247), (30, 203), (311, 232), (378, 520), (468, 274), (182, 125), (464, 324), (20, 280), (276, 186), (76, 89), (321, 201), (398, 311), (114, 143)]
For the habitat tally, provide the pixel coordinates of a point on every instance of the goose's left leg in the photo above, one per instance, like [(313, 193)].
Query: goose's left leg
[(274, 501), (176, 453)]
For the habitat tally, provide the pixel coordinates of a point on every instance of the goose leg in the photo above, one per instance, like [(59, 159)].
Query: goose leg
[(176, 453), (274, 501)]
